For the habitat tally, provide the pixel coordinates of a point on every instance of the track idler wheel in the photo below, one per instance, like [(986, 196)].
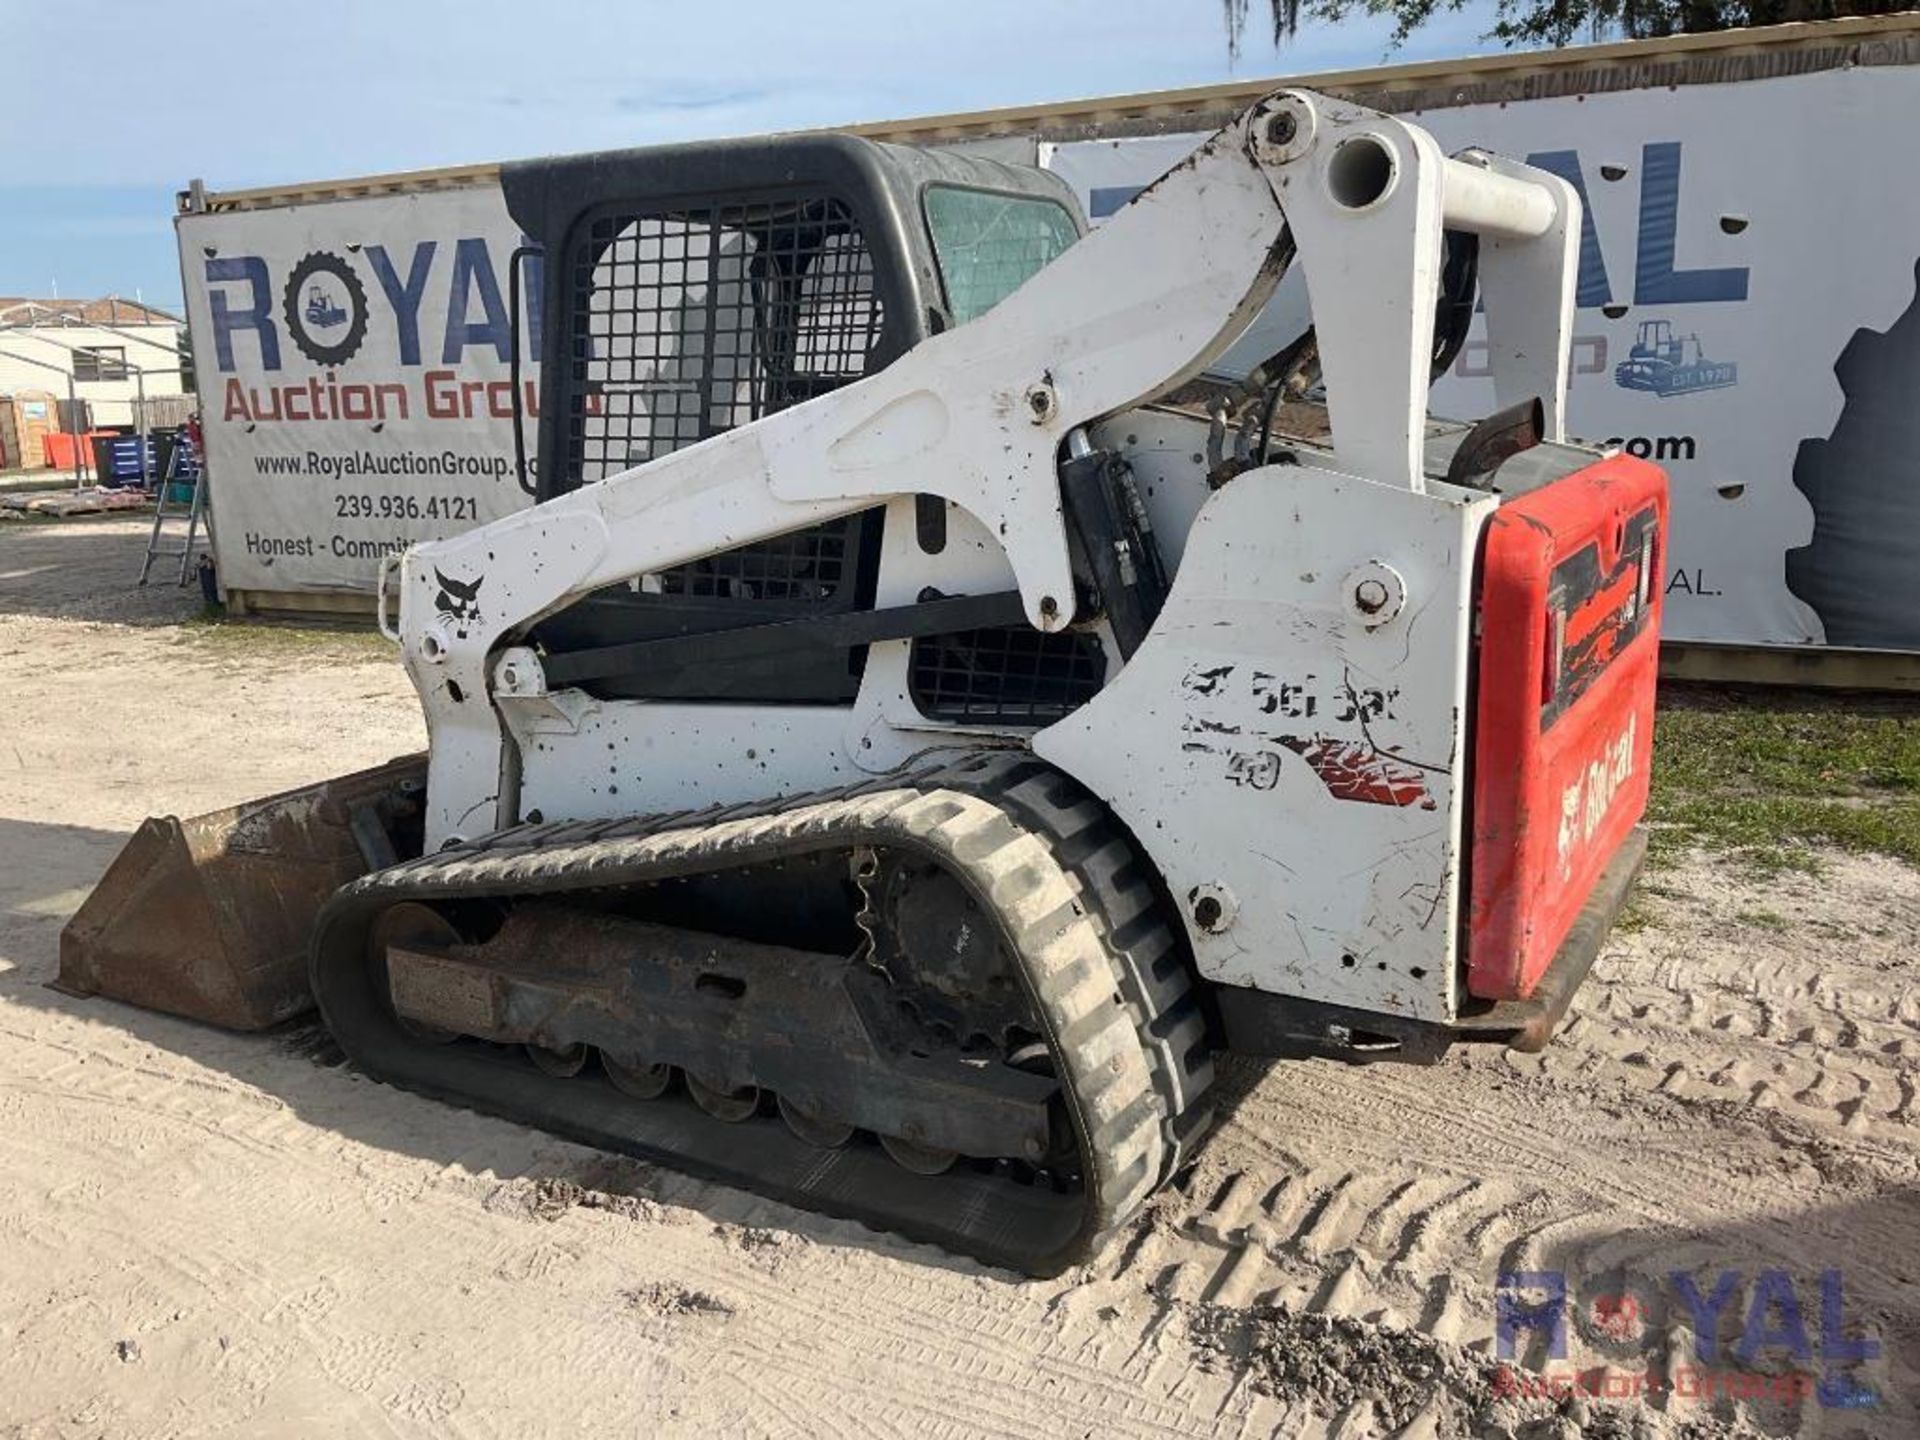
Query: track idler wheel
[(820, 1130), (634, 1077), (731, 1106), (567, 1061)]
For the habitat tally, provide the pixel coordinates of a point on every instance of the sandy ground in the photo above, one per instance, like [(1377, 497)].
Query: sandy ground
[(203, 1234)]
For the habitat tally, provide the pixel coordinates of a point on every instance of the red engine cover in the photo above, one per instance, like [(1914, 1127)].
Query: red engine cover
[(1569, 650)]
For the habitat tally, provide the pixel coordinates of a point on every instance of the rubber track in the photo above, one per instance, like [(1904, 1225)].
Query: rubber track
[(1075, 902)]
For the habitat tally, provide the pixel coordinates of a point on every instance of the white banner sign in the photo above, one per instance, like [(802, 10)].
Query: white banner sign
[(353, 365)]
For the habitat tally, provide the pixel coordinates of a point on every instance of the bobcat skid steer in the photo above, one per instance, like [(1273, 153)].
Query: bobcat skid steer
[(926, 718)]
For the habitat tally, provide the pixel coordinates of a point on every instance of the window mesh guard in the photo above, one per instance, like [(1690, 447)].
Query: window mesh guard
[(689, 322), (1008, 675)]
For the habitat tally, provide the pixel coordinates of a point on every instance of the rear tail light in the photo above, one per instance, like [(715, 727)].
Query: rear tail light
[(1554, 654), (1649, 569)]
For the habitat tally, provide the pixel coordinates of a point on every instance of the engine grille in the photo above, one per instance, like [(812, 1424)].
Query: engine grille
[(805, 566), (1007, 675)]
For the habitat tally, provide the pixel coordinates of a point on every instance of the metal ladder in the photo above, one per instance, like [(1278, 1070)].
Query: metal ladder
[(159, 545)]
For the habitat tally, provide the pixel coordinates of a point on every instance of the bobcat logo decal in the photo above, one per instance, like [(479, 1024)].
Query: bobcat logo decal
[(456, 601)]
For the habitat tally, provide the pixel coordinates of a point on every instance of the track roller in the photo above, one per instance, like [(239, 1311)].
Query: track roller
[(636, 1077), (730, 1105), (567, 1061), (920, 1159), (820, 1130)]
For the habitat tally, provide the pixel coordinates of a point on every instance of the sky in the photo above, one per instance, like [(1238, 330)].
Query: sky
[(253, 92)]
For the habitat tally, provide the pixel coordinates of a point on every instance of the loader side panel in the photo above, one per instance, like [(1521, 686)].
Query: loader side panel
[(1569, 652)]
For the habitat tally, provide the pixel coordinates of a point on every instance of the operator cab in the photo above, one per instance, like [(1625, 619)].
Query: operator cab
[(690, 289)]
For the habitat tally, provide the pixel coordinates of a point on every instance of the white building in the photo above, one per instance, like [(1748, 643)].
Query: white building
[(111, 349)]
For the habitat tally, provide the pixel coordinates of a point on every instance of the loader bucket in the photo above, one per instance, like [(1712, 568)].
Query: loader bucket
[(209, 917)]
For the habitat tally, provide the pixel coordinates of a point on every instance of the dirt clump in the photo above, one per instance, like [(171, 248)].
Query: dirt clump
[(670, 1299)]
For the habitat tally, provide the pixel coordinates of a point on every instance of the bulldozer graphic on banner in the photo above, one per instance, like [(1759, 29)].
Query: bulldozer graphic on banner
[(1658, 363), (323, 310)]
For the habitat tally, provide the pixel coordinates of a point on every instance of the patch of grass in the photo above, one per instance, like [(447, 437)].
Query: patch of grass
[(1637, 915), (1762, 919), (1765, 775), (214, 632)]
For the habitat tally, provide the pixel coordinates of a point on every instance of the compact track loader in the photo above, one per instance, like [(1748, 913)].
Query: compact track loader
[(927, 717)]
